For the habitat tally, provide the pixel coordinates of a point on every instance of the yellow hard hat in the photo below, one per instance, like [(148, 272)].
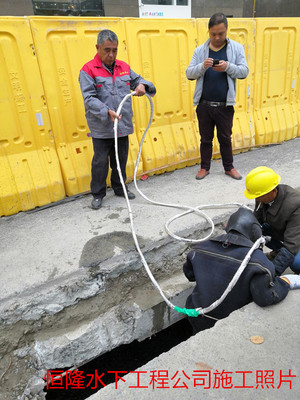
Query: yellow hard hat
[(260, 181)]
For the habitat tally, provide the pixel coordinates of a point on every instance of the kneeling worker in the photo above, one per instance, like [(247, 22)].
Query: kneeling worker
[(277, 208), (213, 263)]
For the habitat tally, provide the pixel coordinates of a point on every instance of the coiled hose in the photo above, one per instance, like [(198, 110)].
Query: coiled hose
[(190, 312)]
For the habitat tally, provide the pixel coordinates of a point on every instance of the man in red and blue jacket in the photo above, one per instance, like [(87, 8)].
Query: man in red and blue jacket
[(104, 82)]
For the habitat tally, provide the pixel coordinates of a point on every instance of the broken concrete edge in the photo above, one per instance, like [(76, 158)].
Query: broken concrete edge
[(195, 368), (75, 309), (120, 325), (52, 297)]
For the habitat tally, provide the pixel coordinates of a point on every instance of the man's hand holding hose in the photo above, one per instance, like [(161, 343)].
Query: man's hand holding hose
[(140, 90)]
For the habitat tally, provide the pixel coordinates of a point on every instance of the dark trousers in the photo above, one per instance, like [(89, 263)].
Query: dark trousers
[(104, 154), (222, 118), (275, 244)]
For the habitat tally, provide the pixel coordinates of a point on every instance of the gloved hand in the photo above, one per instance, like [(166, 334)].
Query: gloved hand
[(293, 280)]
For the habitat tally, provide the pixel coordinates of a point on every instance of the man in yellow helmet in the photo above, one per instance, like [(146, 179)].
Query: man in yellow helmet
[(277, 208)]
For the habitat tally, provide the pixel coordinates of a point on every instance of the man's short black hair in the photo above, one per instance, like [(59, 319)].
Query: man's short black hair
[(216, 19)]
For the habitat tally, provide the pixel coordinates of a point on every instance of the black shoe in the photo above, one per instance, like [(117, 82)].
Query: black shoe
[(96, 203), (130, 195)]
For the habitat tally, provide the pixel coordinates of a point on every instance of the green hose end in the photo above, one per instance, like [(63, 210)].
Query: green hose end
[(190, 312)]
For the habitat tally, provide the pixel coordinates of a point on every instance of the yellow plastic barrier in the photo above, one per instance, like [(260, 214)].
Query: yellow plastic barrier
[(161, 50), (243, 134), (64, 45), (276, 64), (30, 174), (44, 149)]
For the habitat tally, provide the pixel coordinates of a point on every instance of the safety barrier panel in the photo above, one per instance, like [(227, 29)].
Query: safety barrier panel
[(30, 174), (64, 46), (45, 151), (276, 67), (161, 50), (243, 133)]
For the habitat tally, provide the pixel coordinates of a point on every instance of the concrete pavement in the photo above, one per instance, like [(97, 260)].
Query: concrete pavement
[(42, 246), (223, 363)]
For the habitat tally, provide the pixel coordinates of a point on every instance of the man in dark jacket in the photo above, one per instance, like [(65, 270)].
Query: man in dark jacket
[(104, 82), (213, 263), (277, 208)]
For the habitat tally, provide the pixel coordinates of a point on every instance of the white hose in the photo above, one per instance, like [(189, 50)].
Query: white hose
[(187, 209)]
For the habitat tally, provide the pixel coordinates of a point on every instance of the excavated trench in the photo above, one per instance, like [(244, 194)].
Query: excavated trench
[(127, 357), (108, 316)]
